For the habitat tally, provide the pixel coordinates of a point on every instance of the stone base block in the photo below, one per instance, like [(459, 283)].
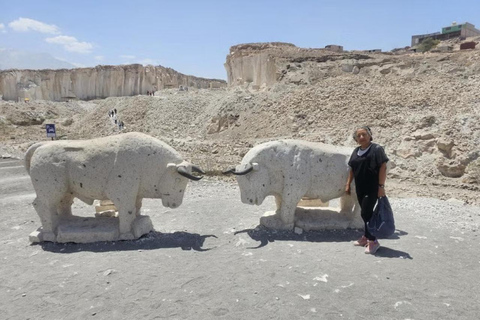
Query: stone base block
[(107, 214), (105, 208), (308, 202), (141, 225), (314, 218), (36, 236), (326, 218), (272, 220), (86, 230)]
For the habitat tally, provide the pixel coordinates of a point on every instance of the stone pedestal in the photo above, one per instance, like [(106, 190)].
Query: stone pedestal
[(86, 230), (105, 208), (309, 202), (315, 218)]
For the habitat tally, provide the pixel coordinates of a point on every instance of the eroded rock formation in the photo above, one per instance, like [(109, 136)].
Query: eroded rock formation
[(264, 64), (94, 83)]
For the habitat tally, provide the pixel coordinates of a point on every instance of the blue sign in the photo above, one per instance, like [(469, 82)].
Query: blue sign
[(50, 130)]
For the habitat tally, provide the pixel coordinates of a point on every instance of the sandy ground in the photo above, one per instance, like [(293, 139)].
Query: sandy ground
[(207, 260)]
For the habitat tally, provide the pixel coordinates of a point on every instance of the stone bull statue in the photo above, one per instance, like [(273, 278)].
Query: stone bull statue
[(292, 169), (124, 168)]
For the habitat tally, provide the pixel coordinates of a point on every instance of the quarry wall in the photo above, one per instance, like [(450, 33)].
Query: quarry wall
[(95, 83), (254, 63), (266, 63)]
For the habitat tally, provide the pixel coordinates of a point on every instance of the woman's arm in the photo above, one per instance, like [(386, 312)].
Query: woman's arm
[(382, 176), (349, 181)]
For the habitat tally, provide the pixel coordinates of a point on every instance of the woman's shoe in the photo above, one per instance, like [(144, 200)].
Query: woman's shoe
[(362, 242), (372, 247)]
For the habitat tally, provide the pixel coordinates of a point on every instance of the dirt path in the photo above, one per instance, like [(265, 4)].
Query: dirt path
[(207, 260)]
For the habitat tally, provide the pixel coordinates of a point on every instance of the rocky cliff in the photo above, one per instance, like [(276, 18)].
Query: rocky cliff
[(266, 63), (254, 63), (94, 83)]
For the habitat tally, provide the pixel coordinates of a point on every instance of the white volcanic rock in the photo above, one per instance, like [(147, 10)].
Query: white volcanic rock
[(94, 83)]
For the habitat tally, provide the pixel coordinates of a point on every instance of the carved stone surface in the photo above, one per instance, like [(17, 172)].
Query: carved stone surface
[(124, 168), (292, 169), (86, 230)]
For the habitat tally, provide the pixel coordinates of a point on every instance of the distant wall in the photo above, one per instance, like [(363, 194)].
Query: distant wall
[(95, 83), (253, 63), (257, 69)]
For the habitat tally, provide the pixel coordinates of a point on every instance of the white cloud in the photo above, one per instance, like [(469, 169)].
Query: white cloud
[(149, 61), (26, 24), (129, 59), (78, 65), (2, 28), (99, 58), (71, 44)]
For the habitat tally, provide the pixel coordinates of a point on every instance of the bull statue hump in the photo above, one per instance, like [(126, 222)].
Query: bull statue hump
[(124, 169), (292, 170)]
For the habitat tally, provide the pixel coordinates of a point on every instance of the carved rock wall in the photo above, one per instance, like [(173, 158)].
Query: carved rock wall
[(95, 83), (264, 64), (254, 63)]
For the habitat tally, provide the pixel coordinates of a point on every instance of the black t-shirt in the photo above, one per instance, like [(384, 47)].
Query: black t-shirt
[(366, 168)]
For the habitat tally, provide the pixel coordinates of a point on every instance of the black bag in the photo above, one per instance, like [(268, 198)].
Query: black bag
[(382, 224)]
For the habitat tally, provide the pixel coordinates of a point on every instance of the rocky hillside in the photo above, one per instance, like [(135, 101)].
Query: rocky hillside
[(424, 108), (94, 83)]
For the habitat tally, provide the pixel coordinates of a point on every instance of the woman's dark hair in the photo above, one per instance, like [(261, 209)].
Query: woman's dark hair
[(366, 128)]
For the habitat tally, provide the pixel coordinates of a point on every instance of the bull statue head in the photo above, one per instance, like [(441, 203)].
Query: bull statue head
[(254, 187), (173, 183)]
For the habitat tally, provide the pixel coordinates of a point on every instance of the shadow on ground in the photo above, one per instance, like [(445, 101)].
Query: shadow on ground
[(264, 236), (151, 241), (386, 252)]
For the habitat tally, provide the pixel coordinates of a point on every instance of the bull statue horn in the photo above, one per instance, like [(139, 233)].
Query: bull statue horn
[(232, 170), (240, 173), (183, 171), (197, 169)]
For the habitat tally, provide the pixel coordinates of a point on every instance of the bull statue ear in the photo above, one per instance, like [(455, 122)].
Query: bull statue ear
[(171, 165), (255, 166)]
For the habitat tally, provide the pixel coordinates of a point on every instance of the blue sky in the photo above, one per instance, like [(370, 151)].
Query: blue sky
[(194, 37)]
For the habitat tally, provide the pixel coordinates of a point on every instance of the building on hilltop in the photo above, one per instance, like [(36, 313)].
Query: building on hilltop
[(334, 48), (462, 31)]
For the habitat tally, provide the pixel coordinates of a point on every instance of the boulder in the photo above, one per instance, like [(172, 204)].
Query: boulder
[(450, 168), (445, 145)]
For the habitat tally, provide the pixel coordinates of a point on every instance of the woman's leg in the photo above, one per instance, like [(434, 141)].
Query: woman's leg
[(367, 203)]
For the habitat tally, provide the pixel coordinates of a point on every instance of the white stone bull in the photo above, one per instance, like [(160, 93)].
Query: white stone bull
[(124, 168), (290, 170)]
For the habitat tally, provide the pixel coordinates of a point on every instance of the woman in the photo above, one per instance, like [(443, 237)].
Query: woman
[(368, 164)]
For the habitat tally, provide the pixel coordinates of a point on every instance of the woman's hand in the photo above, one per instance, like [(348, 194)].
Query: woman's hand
[(381, 192), (349, 181)]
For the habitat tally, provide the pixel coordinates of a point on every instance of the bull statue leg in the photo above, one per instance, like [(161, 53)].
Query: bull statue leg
[(350, 208), (49, 217), (284, 217), (48, 203), (138, 206), (126, 215), (64, 208)]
